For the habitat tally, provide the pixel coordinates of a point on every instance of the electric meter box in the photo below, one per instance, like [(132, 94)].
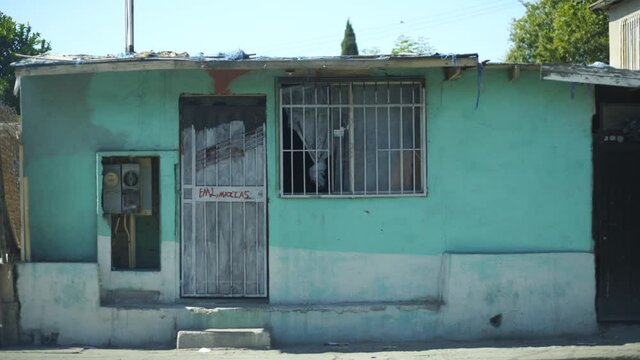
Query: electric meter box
[(121, 188), (130, 188), (111, 189)]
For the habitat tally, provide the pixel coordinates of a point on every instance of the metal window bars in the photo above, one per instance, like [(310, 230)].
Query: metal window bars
[(352, 138)]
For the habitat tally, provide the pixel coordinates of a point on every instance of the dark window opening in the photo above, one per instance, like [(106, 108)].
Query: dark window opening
[(352, 138)]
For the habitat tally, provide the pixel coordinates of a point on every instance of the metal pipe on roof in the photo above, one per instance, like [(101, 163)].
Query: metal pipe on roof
[(128, 26)]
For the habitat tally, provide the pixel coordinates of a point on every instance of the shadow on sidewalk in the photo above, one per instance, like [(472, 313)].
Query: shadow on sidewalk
[(609, 334)]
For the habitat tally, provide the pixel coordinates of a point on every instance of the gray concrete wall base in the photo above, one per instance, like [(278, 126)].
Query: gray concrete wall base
[(481, 296)]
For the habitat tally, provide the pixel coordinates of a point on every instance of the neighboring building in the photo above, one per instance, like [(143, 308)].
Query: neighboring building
[(324, 199), (9, 222), (624, 32)]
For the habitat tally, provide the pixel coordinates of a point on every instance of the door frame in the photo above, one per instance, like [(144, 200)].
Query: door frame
[(179, 196), (615, 96)]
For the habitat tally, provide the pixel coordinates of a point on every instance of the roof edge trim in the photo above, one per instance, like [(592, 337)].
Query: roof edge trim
[(591, 75), (59, 68)]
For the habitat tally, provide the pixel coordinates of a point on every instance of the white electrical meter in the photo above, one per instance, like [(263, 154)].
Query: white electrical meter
[(121, 188), (111, 191), (130, 188)]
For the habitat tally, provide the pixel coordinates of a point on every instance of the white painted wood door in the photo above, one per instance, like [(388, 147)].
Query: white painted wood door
[(224, 237)]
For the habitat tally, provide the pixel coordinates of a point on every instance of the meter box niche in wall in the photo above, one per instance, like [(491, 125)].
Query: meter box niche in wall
[(130, 203), (122, 185)]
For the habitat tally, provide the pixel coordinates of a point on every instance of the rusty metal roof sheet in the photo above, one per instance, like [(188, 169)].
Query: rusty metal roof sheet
[(65, 64)]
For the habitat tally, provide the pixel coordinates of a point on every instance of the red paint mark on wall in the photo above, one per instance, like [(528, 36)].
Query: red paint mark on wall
[(222, 79)]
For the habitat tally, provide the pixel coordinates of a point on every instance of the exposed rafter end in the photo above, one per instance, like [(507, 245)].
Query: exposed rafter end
[(452, 73), (514, 72)]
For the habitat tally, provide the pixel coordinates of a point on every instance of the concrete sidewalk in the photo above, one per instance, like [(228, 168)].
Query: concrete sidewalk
[(400, 351), (619, 342)]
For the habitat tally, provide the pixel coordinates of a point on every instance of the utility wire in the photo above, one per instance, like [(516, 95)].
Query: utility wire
[(408, 26), (445, 15)]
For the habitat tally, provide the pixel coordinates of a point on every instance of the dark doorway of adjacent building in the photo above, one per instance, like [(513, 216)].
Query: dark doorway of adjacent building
[(616, 154)]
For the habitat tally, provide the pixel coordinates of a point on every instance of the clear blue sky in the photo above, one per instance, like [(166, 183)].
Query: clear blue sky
[(270, 28)]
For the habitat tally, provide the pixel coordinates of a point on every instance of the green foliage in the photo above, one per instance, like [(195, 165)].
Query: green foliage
[(15, 39), (349, 45), (405, 45), (371, 51), (559, 31)]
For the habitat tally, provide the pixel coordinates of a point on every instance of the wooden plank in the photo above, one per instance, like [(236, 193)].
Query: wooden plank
[(132, 241), (452, 73), (238, 249), (199, 159), (262, 251), (23, 246), (211, 249), (223, 136), (591, 75), (224, 247), (260, 164), (188, 281), (236, 155), (210, 168), (261, 236), (249, 163), (200, 245), (250, 241), (27, 231), (514, 73), (187, 155)]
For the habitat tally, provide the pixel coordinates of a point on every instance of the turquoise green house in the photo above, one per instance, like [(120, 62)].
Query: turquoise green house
[(323, 199)]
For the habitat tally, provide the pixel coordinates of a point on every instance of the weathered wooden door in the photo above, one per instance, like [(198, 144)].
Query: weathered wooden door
[(617, 213), (223, 197)]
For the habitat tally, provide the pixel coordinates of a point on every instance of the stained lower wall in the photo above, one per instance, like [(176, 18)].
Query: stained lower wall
[(535, 295)]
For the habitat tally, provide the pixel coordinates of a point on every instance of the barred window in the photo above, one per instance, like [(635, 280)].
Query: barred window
[(352, 138)]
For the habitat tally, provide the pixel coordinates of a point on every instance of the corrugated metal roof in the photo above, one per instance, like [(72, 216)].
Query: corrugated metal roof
[(591, 75), (72, 64), (603, 4)]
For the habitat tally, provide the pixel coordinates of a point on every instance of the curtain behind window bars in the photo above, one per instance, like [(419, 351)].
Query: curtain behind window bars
[(352, 138)]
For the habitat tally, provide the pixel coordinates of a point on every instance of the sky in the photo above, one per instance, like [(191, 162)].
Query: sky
[(270, 28)]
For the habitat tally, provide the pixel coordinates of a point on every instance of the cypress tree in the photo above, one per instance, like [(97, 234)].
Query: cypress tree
[(349, 45)]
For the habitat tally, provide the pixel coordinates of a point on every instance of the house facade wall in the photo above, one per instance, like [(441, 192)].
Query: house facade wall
[(508, 213), (617, 14)]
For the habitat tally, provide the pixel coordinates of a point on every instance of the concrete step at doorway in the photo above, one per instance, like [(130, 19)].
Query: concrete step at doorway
[(250, 338)]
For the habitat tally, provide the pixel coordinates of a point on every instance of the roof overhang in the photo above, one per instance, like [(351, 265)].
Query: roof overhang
[(591, 75), (603, 4), (59, 67)]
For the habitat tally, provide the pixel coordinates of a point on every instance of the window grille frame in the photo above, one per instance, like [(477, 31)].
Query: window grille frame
[(350, 81)]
